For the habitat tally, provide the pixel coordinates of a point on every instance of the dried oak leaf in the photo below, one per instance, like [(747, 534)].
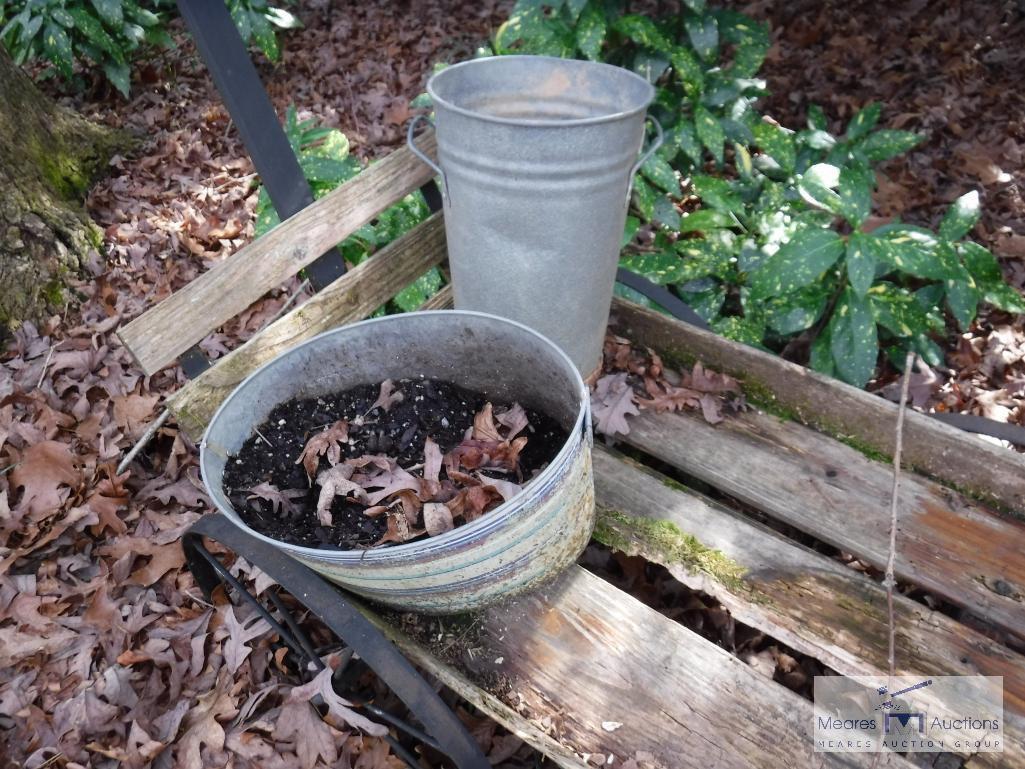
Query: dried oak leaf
[(399, 529), (473, 502), (514, 419), (338, 707), (335, 482), (612, 401), (327, 442), (280, 499), (507, 489), (313, 739), (235, 648), (432, 469), (44, 472), (484, 428), (437, 518), (388, 396)]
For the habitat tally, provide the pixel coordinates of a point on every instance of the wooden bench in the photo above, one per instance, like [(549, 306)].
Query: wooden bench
[(561, 663)]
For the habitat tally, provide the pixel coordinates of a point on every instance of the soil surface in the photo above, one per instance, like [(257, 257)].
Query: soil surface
[(430, 408)]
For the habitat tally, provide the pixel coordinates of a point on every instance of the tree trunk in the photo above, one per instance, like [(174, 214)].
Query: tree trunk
[(49, 155)]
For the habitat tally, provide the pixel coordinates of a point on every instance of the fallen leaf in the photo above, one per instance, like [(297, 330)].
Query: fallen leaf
[(326, 442)]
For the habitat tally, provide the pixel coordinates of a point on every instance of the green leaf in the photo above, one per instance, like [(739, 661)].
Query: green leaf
[(120, 75), (263, 35), (855, 190), (625, 292), (240, 15), (961, 216), (327, 170), (629, 230), (963, 299), (898, 311), (981, 264), (656, 169), (706, 298), (60, 15), (864, 121), (807, 255), (710, 133), (665, 213), (796, 311), (698, 6), (749, 331), (853, 339), (705, 219), (94, 32), (643, 31), (661, 268), (750, 51), (821, 358), (886, 144), (1003, 297), (817, 118), (574, 8), (703, 257), (687, 139), (777, 143), (109, 11), (861, 263), (717, 193), (57, 49), (817, 187), (644, 198), (916, 252), (703, 32), (590, 31), (419, 291), (689, 70)]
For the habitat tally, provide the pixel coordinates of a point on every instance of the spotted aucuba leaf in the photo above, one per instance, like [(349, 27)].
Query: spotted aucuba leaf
[(960, 217), (861, 262), (898, 311), (703, 32), (916, 252), (657, 169), (853, 339), (688, 69), (643, 31), (864, 121), (590, 31), (777, 143), (710, 133), (886, 144), (855, 191), (661, 268), (962, 297), (981, 263), (792, 313), (798, 263)]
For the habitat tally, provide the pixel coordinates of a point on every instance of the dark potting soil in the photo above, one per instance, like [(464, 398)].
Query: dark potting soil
[(430, 408)]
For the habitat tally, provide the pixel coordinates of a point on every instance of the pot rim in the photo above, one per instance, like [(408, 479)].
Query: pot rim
[(577, 433), (541, 122)]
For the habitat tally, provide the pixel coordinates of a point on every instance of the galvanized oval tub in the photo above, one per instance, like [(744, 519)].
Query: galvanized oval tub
[(511, 549), (537, 155)]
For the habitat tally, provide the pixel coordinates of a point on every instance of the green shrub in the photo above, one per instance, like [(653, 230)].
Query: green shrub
[(324, 157), (772, 246), (111, 34)]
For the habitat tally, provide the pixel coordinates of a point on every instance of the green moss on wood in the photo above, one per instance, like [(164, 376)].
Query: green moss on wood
[(666, 543)]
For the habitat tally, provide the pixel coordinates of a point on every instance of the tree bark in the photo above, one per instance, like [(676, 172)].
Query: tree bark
[(49, 156)]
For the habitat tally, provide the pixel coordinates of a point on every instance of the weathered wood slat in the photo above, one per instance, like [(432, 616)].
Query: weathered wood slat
[(800, 597), (580, 653), (350, 298), (440, 301), (936, 449), (160, 335), (948, 544)]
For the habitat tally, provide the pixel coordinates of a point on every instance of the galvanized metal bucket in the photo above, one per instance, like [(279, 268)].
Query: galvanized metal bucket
[(537, 157), (512, 548)]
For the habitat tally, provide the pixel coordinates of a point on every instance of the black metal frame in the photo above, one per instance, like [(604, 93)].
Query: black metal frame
[(442, 731)]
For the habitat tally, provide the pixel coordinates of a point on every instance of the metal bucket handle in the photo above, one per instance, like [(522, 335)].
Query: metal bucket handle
[(411, 143), (655, 144)]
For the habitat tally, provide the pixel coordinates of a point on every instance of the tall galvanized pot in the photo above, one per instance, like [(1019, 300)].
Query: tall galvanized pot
[(512, 548), (537, 156)]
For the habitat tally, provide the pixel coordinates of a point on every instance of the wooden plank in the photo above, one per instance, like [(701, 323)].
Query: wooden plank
[(160, 335), (579, 653), (440, 301), (962, 459), (350, 298), (947, 543), (805, 599)]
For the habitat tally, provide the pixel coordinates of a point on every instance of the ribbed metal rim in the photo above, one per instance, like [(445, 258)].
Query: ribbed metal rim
[(396, 552), (546, 123)]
